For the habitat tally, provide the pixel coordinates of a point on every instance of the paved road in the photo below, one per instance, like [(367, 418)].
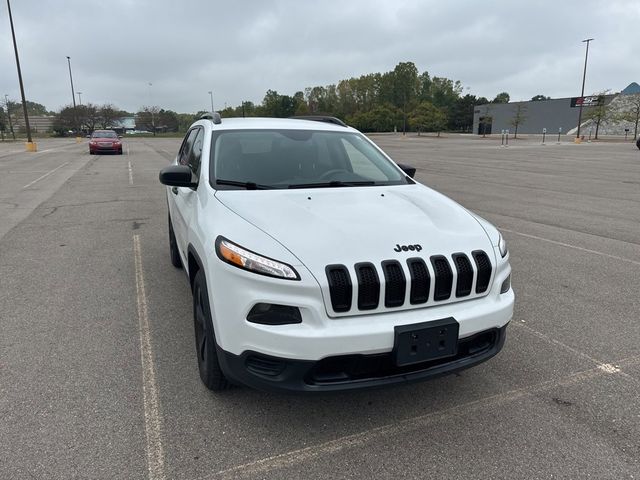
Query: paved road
[(98, 377)]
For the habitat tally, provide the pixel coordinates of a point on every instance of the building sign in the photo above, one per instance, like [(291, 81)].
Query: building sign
[(593, 101)]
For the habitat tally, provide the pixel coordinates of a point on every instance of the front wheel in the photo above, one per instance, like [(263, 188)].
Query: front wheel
[(208, 365)]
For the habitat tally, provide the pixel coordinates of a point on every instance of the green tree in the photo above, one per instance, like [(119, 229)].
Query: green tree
[(64, 121), (444, 92), (426, 117), (88, 116), (276, 105), (600, 113), (538, 98), (518, 117), (168, 121), (631, 111), (502, 97), (185, 120), (147, 118), (107, 115), (461, 113), (405, 84)]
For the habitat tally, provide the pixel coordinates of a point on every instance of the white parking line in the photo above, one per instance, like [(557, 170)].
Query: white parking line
[(262, 468), (635, 262), (152, 418), (45, 175), (130, 174)]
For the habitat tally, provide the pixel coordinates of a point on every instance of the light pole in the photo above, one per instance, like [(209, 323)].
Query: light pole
[(31, 147), (6, 104), (584, 77), (73, 98), (151, 109), (211, 95), (79, 98)]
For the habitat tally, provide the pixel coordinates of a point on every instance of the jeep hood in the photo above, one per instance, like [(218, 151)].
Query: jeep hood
[(347, 225)]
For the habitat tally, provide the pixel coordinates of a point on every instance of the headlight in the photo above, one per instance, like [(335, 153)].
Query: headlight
[(502, 246), (240, 257)]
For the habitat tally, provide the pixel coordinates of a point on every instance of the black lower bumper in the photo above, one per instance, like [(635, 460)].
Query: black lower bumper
[(352, 372)]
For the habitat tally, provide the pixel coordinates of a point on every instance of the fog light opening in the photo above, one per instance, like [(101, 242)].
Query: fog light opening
[(272, 314), (506, 285)]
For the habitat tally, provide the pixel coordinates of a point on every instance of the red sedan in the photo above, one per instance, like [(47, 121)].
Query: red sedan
[(103, 141)]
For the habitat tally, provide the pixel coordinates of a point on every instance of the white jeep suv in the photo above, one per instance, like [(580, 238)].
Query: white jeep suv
[(318, 264)]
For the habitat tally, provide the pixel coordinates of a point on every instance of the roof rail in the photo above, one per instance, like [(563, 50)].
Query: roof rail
[(321, 118), (213, 116)]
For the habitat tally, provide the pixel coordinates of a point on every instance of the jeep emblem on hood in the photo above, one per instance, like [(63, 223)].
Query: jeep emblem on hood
[(404, 248)]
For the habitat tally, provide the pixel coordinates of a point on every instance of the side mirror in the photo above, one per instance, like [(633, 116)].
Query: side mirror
[(409, 170), (178, 176)]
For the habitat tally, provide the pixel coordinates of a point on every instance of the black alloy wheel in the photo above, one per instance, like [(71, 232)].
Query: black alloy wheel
[(208, 365)]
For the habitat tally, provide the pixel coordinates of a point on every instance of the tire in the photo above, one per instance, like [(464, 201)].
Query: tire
[(174, 253), (638, 143), (208, 364), (90, 152)]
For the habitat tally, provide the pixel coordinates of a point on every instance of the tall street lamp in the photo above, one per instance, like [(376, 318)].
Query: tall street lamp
[(584, 76), (31, 147), (151, 108), (73, 98), (211, 95), (79, 98), (6, 104)]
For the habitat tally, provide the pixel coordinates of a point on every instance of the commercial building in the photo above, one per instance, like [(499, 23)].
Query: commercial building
[(556, 115)]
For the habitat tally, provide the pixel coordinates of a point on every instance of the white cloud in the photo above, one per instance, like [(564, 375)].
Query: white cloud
[(241, 49)]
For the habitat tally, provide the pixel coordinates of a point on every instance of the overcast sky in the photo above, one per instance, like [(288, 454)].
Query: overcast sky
[(239, 49)]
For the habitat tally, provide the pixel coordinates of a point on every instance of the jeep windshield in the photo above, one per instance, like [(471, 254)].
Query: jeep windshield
[(282, 159)]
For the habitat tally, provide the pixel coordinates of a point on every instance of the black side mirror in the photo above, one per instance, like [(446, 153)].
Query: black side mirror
[(178, 176), (409, 170)]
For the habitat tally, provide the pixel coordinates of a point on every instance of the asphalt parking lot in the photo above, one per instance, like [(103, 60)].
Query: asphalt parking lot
[(98, 376)]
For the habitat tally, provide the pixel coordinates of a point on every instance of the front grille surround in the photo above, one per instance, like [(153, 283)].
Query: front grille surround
[(395, 284), (465, 274), (340, 287), (443, 277), (368, 286)]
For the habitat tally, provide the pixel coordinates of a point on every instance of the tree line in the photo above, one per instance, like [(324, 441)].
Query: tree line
[(402, 99)]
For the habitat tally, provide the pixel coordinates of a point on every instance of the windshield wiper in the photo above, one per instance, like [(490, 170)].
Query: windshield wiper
[(246, 185), (333, 183)]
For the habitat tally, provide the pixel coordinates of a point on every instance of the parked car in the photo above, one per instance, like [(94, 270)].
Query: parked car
[(105, 141), (316, 263)]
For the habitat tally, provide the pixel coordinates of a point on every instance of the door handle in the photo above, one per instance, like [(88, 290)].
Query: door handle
[(174, 190)]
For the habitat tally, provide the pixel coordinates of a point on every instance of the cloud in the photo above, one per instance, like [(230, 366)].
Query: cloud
[(241, 49)]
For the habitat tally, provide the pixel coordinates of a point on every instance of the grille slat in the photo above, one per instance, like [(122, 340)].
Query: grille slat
[(465, 274), (340, 287), (420, 281), (483, 265), (395, 284), (443, 277), (368, 286)]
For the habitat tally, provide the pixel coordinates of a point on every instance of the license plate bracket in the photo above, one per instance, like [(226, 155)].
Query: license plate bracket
[(421, 342)]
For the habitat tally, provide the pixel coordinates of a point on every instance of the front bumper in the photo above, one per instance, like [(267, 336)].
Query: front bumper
[(351, 372), (101, 149)]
